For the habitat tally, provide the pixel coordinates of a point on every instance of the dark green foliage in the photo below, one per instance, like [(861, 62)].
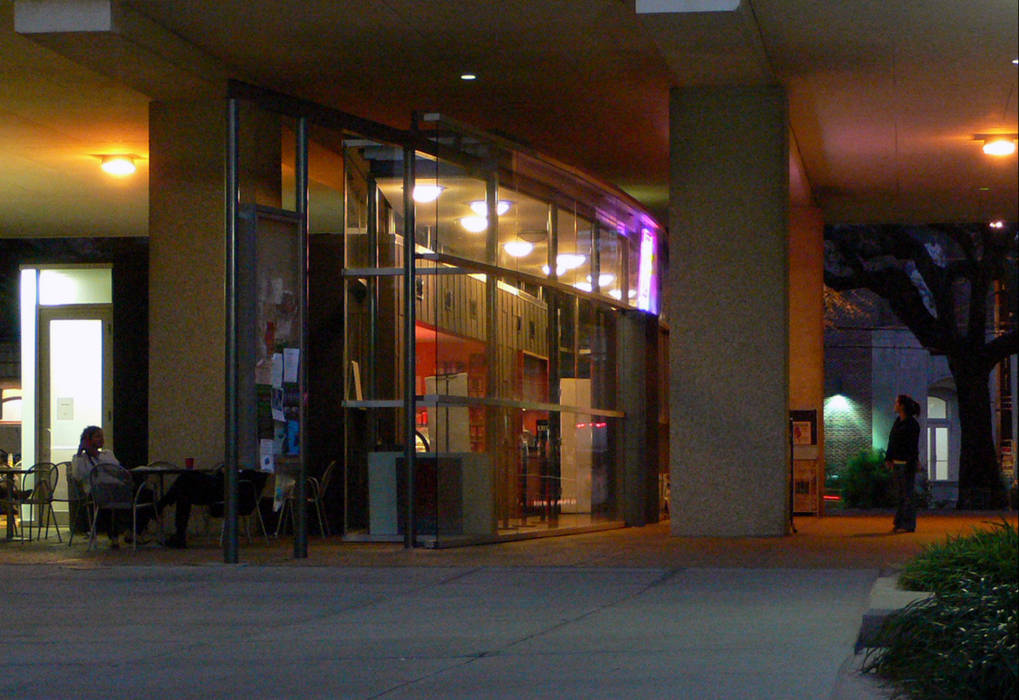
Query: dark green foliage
[(865, 482), (959, 644), (992, 554), (964, 641)]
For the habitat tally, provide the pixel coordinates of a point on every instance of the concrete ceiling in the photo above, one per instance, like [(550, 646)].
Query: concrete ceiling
[(885, 96)]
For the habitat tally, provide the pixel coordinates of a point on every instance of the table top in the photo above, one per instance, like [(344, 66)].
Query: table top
[(13, 470), (167, 469)]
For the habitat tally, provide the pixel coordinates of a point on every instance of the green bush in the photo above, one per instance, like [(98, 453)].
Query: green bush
[(959, 644), (865, 482), (992, 554), (964, 641)]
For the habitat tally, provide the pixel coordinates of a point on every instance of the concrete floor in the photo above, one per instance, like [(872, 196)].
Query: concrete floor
[(630, 613)]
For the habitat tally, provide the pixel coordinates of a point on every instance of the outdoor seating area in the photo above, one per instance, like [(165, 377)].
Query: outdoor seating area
[(46, 503)]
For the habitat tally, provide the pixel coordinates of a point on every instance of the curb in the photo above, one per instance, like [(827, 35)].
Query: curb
[(885, 599)]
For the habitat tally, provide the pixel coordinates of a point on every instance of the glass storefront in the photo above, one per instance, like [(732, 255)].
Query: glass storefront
[(520, 271)]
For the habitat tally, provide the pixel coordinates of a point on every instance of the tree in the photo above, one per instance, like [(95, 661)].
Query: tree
[(940, 282)]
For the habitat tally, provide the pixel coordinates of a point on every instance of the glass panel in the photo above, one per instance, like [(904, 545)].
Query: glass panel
[(76, 382), (941, 453), (325, 182), (450, 210), (75, 286), (266, 157), (573, 263), (936, 408), (588, 473), (452, 361), (633, 262), (523, 233), (610, 261)]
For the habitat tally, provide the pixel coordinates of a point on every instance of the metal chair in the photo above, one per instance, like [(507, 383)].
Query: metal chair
[(109, 491), (315, 492), (39, 499), (249, 497)]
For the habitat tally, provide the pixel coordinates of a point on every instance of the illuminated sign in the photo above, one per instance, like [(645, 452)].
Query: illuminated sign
[(645, 274)]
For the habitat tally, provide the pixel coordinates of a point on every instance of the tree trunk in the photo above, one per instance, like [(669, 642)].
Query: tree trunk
[(980, 484)]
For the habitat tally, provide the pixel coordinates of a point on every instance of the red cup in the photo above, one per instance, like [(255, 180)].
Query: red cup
[(189, 462)]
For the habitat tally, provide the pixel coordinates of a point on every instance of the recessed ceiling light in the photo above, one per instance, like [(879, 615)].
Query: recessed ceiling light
[(997, 224), (468, 76), (1015, 61)]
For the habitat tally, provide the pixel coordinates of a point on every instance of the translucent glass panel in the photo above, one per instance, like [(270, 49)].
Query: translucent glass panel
[(75, 286), (937, 452), (936, 408)]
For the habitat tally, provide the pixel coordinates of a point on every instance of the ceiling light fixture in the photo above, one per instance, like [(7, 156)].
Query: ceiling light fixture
[(120, 165), (468, 76), (423, 194), (480, 207), (474, 224), (997, 224), (518, 249), (999, 145)]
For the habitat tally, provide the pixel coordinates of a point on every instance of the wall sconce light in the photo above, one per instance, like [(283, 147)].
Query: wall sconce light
[(999, 145), (118, 165)]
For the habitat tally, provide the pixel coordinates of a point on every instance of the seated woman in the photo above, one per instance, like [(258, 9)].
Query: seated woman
[(113, 483), (200, 488)]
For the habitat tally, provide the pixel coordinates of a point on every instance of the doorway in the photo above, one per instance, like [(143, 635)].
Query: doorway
[(75, 377)]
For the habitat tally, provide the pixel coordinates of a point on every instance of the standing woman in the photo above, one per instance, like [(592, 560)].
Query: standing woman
[(902, 458)]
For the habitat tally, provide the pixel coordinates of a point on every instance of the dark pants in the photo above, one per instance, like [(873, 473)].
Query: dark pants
[(191, 488), (903, 480), (201, 488)]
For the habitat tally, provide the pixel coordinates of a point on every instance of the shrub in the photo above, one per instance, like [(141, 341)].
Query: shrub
[(865, 481), (992, 554), (963, 643)]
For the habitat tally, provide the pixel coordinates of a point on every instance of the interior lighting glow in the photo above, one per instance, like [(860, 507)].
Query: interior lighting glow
[(518, 249), (474, 224), (997, 224), (837, 403), (118, 166), (468, 76), (583, 286), (423, 194), (604, 279), (569, 261), (999, 146), (480, 207), (616, 294)]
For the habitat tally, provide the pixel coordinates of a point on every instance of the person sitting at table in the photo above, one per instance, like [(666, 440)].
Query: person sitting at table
[(113, 483), (199, 488)]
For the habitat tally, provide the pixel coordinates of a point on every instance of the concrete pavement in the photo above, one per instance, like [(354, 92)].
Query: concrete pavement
[(629, 613)]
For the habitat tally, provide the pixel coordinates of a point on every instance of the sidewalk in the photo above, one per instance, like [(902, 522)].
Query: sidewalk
[(619, 614)]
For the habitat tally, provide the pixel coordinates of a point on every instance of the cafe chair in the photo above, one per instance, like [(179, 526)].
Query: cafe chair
[(116, 498), (77, 499), (249, 496), (39, 499), (315, 492)]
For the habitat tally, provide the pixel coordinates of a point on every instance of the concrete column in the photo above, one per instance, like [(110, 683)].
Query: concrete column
[(806, 334), (186, 277), (727, 300)]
